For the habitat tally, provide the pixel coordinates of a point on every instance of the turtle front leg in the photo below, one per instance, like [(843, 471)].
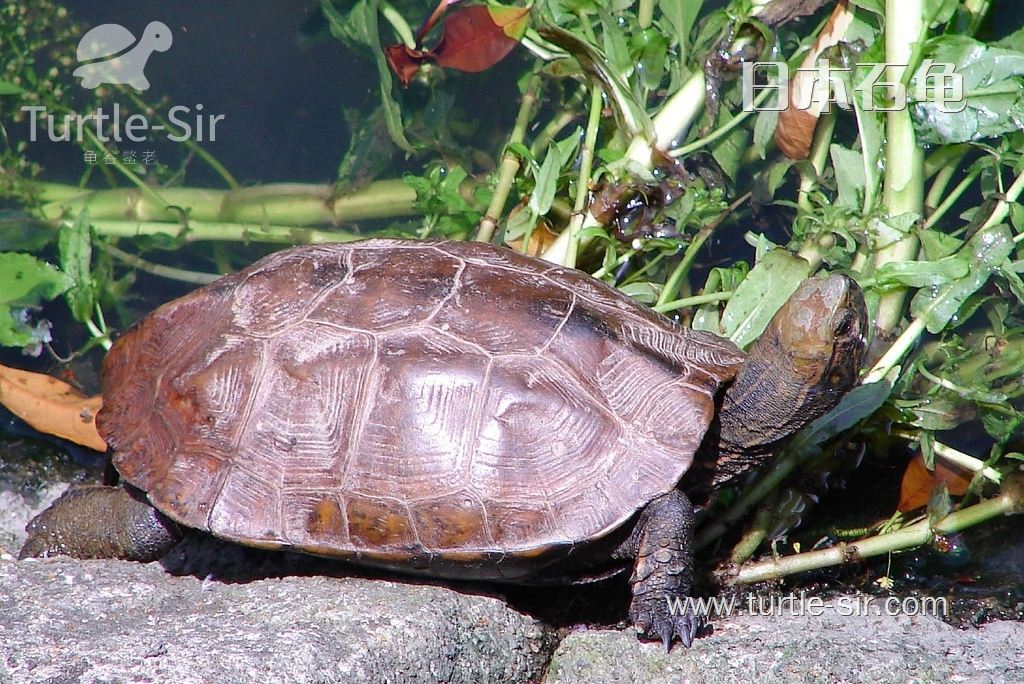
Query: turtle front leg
[(97, 521), (661, 545)]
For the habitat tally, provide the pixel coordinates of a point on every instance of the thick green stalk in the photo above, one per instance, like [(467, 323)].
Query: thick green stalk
[(904, 159), (509, 166), (292, 204)]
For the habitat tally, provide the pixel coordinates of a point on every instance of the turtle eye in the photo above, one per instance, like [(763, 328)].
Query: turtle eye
[(844, 325)]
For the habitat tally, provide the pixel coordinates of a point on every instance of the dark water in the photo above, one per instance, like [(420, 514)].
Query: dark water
[(281, 94)]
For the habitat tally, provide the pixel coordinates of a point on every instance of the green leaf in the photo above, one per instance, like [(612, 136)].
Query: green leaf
[(568, 147), (922, 273), (546, 182), (681, 14), (8, 88), (849, 169), (644, 292), (360, 26), (937, 244), (936, 413), (74, 244), (616, 51), (763, 292), (630, 115), (20, 232), (984, 253), (993, 93), (764, 131), (855, 406), (25, 282), (708, 316), (651, 48)]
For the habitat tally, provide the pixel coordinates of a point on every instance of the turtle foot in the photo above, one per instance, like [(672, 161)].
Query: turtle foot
[(96, 521), (663, 572)]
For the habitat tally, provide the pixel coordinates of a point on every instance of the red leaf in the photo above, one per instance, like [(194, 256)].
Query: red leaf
[(919, 482), (477, 37), (404, 61)]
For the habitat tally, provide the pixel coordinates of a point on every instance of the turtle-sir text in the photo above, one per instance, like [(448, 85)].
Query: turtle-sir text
[(186, 123)]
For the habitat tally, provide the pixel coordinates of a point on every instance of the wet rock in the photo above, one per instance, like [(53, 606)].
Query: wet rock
[(66, 620), (802, 648)]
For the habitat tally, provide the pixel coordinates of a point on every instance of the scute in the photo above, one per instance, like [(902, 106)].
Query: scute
[(409, 404)]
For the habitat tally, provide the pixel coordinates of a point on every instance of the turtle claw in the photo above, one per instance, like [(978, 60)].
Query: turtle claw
[(667, 628)]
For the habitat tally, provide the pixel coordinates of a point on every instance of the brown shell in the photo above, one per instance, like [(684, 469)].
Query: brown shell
[(409, 404)]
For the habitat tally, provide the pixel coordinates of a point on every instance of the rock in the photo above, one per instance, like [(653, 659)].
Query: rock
[(86, 621), (18, 508), (831, 647)]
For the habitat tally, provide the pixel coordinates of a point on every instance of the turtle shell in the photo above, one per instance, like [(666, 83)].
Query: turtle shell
[(425, 406), (106, 40)]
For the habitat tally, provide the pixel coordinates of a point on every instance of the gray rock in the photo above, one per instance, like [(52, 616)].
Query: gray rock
[(839, 649), (18, 508), (107, 621)]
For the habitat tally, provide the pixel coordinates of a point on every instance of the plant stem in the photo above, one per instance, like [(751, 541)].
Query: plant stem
[(671, 122), (281, 203), (909, 537), (645, 14), (566, 116), (679, 273), (160, 270), (197, 231), (509, 166), (951, 198), (818, 157), (583, 183), (189, 143), (399, 24), (722, 130), (695, 300), (904, 159)]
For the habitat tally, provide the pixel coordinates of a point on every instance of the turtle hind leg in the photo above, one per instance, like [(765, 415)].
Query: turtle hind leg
[(661, 546), (97, 521)]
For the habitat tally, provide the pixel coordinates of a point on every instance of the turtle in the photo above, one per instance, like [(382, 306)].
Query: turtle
[(123, 59), (450, 409)]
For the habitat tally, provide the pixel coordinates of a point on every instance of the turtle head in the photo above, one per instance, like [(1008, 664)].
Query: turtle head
[(818, 335), (157, 36), (798, 370)]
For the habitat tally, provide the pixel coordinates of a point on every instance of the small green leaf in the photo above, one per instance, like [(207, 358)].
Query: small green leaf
[(937, 244), (763, 292), (849, 168), (644, 292), (922, 273), (74, 244), (25, 282), (984, 253), (568, 147), (546, 182), (764, 131), (615, 49), (8, 88), (681, 15)]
